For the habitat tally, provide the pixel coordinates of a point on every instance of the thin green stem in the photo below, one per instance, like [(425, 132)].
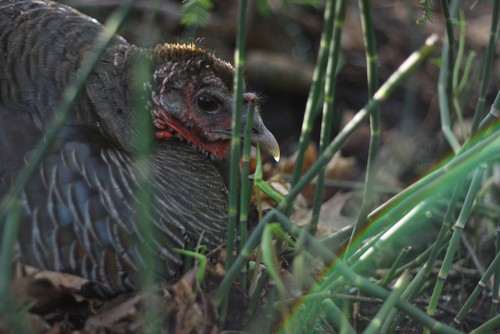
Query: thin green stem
[(6, 256), (445, 83), (143, 191), (488, 326), (496, 280), (455, 239), (245, 186), (315, 91), (389, 304), (494, 113), (416, 284), (328, 111), (336, 317), (486, 70), (243, 256), (401, 257), (481, 285), (371, 167), (234, 174)]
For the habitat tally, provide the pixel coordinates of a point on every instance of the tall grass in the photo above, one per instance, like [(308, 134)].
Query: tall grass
[(442, 190)]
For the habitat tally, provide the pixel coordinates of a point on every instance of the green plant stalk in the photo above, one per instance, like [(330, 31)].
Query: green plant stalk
[(416, 284), (6, 256), (346, 307), (245, 186), (362, 249), (337, 240), (234, 175), (381, 95), (496, 279), (144, 215), (449, 34), (336, 317), (446, 79), (259, 183), (467, 71), (401, 256), (270, 258), (143, 143), (316, 296), (456, 71), (381, 229), (488, 326), (371, 167), (495, 107), (493, 114), (303, 321), (201, 266), (269, 311), (315, 91), (243, 256), (9, 202), (460, 54), (365, 285), (417, 262), (444, 97), (393, 232), (328, 111), (455, 238), (486, 70), (423, 188), (389, 304), (255, 297), (483, 283), (368, 250), (441, 240), (331, 281)]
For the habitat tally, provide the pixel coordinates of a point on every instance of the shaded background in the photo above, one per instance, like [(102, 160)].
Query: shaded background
[(282, 44)]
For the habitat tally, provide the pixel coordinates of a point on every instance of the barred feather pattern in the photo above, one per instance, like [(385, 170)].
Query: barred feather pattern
[(79, 210)]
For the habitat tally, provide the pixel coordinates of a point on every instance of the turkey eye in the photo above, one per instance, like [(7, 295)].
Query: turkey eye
[(207, 103)]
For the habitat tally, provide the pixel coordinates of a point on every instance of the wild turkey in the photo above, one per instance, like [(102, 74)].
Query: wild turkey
[(78, 210)]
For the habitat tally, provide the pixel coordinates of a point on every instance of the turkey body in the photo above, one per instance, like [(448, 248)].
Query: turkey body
[(79, 210)]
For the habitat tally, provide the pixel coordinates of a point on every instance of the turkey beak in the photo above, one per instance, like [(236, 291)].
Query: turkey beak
[(264, 138)]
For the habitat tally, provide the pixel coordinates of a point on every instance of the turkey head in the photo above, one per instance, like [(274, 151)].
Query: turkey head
[(193, 100)]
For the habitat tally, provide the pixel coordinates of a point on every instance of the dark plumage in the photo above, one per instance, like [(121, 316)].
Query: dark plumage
[(78, 210)]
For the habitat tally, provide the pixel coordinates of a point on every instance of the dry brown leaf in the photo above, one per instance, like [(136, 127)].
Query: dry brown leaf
[(52, 295), (331, 218), (194, 313), (122, 309)]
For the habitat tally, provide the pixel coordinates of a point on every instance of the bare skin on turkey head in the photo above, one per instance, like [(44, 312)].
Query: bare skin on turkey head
[(193, 101)]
